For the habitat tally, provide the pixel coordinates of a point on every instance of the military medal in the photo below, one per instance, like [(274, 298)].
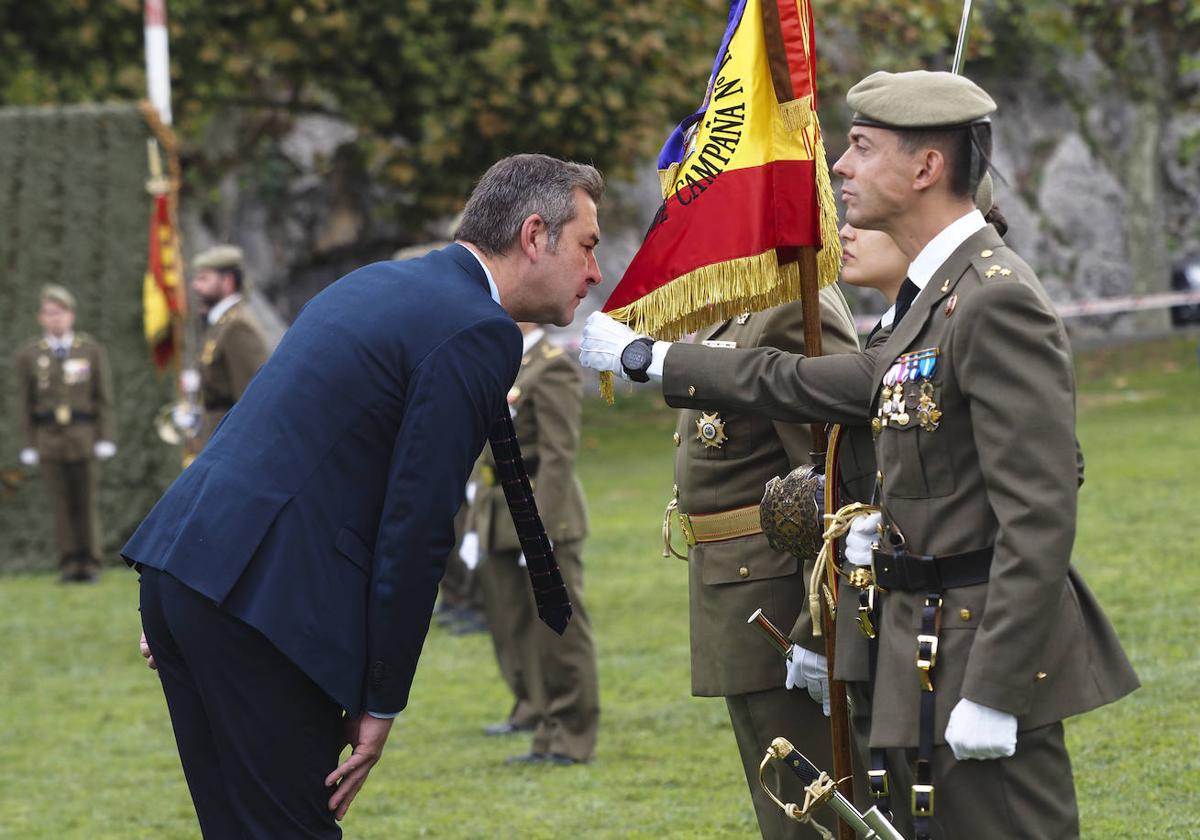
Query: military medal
[(928, 414), (710, 430), (62, 415)]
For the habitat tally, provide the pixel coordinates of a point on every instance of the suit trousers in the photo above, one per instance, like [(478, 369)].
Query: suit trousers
[(256, 736), (71, 487), (760, 717), (556, 673)]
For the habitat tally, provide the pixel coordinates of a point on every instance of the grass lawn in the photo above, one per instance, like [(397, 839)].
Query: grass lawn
[(86, 749)]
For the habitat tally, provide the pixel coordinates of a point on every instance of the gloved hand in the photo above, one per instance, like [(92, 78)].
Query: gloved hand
[(604, 339), (471, 490), (105, 449), (189, 380), (184, 416), (811, 669), (863, 532), (468, 552), (29, 456), (976, 731)]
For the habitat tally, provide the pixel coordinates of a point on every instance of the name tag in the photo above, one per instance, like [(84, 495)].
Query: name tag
[(76, 371), (729, 345)]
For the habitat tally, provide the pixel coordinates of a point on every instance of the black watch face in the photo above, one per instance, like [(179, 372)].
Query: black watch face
[(637, 356)]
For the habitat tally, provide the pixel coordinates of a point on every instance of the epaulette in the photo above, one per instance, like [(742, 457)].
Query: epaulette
[(990, 264)]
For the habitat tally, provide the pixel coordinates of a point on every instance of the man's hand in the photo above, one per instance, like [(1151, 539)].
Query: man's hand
[(863, 532), (146, 654), (105, 449), (604, 339), (811, 670), (366, 735), (29, 456), (976, 731)]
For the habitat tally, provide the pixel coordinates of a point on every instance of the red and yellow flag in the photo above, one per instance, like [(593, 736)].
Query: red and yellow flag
[(163, 299), (745, 185)]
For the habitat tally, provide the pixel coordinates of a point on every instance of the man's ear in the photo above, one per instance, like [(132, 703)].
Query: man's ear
[(533, 234), (931, 169)]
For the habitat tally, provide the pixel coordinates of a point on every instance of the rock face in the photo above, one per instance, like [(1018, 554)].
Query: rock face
[(1102, 194)]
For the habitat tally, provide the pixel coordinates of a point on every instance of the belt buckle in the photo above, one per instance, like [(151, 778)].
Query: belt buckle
[(866, 606), (685, 525), (922, 800), (927, 646), (878, 780)]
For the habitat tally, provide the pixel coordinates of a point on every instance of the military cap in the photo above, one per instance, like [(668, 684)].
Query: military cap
[(58, 294), (919, 99), (219, 258)]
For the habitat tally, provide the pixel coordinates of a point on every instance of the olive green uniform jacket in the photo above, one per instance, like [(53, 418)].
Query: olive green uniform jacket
[(65, 405), (730, 579), (234, 350), (1000, 470)]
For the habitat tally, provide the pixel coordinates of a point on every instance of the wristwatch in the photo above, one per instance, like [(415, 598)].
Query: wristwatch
[(636, 358)]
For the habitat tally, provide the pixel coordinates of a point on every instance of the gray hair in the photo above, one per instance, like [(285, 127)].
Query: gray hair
[(519, 186)]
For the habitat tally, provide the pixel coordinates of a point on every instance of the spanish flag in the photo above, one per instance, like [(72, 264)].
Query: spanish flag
[(163, 298), (745, 185)]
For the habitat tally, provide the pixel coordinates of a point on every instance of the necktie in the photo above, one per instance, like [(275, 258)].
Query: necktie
[(60, 352), (553, 601), (904, 298)]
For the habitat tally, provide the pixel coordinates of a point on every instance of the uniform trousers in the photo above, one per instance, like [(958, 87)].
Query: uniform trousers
[(555, 674), (256, 736), (760, 717), (71, 487)]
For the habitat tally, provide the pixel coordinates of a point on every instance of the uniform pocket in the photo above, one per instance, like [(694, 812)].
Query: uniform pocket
[(742, 560)]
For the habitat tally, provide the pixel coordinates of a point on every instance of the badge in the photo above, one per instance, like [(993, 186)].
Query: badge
[(62, 415), (728, 345), (742, 319), (950, 304), (928, 414), (710, 430), (210, 349), (76, 371)]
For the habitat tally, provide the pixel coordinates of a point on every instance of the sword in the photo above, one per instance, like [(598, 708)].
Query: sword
[(820, 790), (956, 67)]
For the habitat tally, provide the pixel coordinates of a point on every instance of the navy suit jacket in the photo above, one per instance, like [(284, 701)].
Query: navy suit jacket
[(321, 511)]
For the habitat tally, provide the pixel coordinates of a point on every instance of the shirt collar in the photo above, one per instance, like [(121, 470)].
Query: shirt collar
[(530, 339), (66, 342), (939, 249), (221, 308), (495, 292)]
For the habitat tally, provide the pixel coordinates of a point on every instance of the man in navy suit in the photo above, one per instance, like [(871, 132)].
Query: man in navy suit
[(289, 574)]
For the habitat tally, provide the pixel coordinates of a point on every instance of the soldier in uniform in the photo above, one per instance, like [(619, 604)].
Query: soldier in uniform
[(989, 638), (234, 348), (553, 676), (722, 462), (65, 405)]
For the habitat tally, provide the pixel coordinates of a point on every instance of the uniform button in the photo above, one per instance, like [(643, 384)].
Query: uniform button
[(964, 614), (1041, 675), (676, 438), (987, 252), (691, 390), (744, 572), (879, 475)]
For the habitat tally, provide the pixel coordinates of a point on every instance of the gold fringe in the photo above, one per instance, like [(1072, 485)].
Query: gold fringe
[(829, 258), (666, 178), (796, 114), (606, 387)]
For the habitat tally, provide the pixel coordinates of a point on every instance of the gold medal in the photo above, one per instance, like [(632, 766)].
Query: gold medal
[(710, 430), (62, 415), (43, 361), (901, 418), (876, 425)]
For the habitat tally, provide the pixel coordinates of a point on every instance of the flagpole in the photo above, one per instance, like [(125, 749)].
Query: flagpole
[(960, 47)]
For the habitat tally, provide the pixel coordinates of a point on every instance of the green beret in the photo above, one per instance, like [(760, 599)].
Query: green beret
[(219, 258), (919, 99), (58, 294), (983, 194)]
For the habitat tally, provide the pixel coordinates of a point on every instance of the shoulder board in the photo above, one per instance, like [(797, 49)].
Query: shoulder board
[(549, 351), (992, 264)]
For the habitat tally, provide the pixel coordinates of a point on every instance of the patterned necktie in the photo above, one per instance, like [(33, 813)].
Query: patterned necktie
[(904, 298), (553, 601)]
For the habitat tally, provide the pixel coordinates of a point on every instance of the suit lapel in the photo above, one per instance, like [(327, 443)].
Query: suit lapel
[(941, 284)]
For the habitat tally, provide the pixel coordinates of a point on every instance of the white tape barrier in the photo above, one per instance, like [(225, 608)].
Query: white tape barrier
[(1082, 308)]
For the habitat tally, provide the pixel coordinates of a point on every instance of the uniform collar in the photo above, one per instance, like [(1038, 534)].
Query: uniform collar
[(529, 341), (938, 250), (221, 308)]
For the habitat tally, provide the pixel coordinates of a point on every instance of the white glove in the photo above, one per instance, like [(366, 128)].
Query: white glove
[(976, 731), (604, 339), (863, 532), (105, 449), (29, 457), (811, 669), (521, 560), (468, 552), (471, 490), (189, 380), (184, 416)]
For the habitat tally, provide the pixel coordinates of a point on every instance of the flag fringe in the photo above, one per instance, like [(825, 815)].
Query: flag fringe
[(798, 115)]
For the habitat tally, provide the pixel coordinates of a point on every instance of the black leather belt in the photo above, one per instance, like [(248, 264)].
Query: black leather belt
[(46, 418), (904, 572)]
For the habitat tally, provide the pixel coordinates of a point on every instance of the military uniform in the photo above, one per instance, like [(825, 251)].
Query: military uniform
[(233, 351), (554, 675), (65, 404), (722, 463)]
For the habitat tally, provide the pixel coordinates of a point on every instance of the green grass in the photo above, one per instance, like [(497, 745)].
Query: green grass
[(86, 748)]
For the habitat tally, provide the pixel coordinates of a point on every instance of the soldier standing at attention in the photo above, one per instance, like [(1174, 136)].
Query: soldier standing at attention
[(67, 423), (722, 462), (553, 679), (988, 638), (234, 348)]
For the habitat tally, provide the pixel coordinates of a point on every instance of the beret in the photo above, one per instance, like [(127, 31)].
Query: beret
[(58, 294), (218, 257), (920, 99)]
